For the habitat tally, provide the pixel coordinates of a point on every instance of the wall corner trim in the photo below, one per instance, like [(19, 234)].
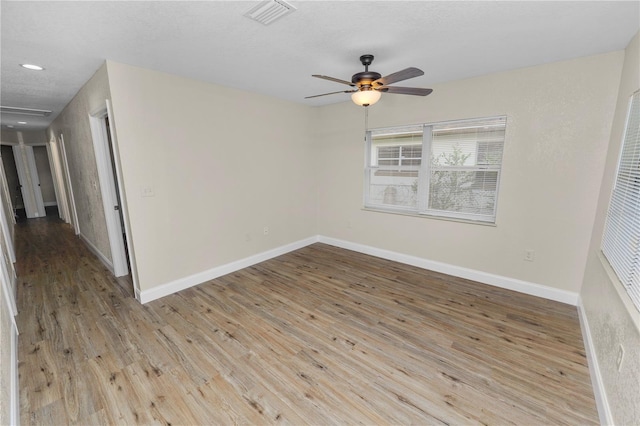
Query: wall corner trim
[(529, 288), (602, 403), (210, 274)]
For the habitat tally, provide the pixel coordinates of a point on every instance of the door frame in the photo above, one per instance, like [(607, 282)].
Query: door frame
[(108, 182), (63, 199), (118, 180), (71, 199), (55, 175), (6, 224)]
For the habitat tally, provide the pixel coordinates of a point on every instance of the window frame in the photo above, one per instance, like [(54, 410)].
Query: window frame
[(421, 208), (614, 247)]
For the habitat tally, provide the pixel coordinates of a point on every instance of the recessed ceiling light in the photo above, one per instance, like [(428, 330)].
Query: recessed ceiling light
[(22, 122), (32, 67)]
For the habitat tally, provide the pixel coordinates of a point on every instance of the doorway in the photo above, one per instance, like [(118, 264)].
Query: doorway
[(112, 161), (45, 180), (29, 180), (113, 198), (13, 182)]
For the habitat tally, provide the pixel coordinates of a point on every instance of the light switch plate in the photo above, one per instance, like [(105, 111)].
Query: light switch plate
[(147, 191)]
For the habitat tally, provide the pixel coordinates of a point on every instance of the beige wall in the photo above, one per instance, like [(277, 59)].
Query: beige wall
[(9, 137), (29, 137), (222, 164), (73, 123), (558, 124), (32, 137), (611, 318)]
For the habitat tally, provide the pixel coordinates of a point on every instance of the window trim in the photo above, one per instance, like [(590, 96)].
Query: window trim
[(619, 259)]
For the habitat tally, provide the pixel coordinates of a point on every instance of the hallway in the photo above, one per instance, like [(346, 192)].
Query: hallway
[(318, 336), (64, 293)]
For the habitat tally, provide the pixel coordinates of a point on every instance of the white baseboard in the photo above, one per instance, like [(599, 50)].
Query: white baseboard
[(460, 272), (97, 253), (199, 278), (604, 412), (520, 286)]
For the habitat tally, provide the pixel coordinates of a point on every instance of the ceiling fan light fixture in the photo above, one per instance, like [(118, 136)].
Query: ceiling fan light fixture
[(366, 97), (369, 85)]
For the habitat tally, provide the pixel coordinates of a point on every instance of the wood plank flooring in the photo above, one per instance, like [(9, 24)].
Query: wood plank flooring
[(319, 336)]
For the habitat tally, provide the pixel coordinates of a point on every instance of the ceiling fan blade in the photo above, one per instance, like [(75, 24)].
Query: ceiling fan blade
[(418, 91), (405, 74), (331, 93), (337, 80)]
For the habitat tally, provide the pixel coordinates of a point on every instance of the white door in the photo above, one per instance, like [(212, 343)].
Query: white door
[(29, 184), (35, 179), (110, 201)]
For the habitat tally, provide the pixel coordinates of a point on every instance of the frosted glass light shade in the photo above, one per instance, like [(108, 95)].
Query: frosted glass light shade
[(366, 97)]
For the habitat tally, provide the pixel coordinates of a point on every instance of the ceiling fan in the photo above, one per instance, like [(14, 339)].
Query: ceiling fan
[(369, 85)]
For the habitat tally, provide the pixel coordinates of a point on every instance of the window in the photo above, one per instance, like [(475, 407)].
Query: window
[(390, 156), (448, 169), (621, 239)]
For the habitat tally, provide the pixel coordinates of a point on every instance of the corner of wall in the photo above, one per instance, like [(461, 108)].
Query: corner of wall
[(599, 392)]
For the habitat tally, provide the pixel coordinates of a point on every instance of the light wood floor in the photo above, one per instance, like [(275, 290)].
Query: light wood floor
[(318, 336)]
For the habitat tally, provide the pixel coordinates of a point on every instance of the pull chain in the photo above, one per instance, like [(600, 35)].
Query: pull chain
[(366, 122)]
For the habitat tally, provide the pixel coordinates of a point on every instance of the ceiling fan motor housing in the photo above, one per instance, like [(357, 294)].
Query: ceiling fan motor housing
[(365, 78)]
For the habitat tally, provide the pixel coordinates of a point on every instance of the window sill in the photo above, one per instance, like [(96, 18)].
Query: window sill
[(425, 216)]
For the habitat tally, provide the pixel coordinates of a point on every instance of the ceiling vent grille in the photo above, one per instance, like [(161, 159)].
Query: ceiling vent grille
[(25, 111), (269, 11)]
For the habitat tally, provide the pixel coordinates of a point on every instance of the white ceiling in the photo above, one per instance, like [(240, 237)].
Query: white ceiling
[(212, 41)]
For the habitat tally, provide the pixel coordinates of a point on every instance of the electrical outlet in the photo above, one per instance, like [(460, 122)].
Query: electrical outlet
[(620, 357), (529, 255), (265, 230)]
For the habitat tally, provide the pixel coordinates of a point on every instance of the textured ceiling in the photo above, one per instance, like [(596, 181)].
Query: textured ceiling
[(212, 41)]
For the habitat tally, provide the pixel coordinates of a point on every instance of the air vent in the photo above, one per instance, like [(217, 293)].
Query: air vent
[(269, 11), (25, 111)]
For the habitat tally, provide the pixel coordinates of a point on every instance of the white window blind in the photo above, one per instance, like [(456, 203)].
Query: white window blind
[(621, 239), (449, 169)]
